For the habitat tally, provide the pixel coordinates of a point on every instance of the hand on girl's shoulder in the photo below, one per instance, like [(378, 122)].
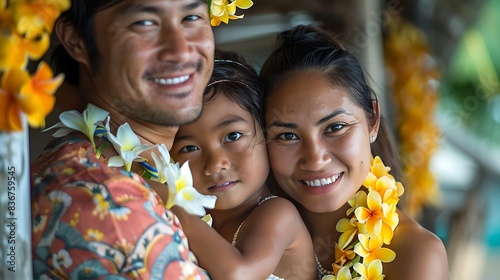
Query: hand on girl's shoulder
[(420, 254)]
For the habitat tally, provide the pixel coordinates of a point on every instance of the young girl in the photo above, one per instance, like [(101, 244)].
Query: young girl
[(255, 234), (323, 122)]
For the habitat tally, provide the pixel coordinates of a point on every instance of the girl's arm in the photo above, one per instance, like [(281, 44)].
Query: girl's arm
[(269, 230)]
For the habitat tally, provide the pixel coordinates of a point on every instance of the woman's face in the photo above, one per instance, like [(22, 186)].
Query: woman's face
[(318, 142)]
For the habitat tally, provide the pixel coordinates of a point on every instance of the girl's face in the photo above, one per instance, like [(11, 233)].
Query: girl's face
[(227, 153), (318, 142)]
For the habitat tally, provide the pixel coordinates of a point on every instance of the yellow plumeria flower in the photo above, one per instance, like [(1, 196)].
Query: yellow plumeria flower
[(371, 249), (370, 271), (372, 215), (342, 257), (343, 274), (349, 229), (224, 10), (181, 191)]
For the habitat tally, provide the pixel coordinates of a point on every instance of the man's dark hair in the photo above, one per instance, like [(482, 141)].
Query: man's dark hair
[(81, 16)]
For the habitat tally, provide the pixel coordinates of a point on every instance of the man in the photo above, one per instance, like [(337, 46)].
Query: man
[(146, 62)]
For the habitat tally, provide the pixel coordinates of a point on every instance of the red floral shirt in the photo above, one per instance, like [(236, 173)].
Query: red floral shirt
[(91, 221)]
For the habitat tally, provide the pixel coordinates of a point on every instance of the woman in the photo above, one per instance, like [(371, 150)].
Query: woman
[(322, 123)]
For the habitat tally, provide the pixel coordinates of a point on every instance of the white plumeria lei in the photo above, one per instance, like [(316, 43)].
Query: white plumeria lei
[(178, 179)]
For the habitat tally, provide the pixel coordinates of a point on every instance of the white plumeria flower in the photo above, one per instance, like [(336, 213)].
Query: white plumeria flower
[(127, 145), (181, 191), (162, 163), (85, 122)]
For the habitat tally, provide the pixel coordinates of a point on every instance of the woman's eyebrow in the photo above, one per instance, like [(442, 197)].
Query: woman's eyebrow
[(332, 115)]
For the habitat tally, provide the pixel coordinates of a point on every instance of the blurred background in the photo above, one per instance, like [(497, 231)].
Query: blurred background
[(434, 65)]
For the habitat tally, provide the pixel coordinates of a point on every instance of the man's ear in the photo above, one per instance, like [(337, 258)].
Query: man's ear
[(74, 45), (374, 123)]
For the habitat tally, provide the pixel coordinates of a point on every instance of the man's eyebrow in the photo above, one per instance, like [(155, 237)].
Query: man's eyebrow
[(148, 8)]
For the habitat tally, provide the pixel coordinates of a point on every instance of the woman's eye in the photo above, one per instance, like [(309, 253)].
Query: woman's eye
[(335, 127), (232, 136), (188, 149), (287, 136)]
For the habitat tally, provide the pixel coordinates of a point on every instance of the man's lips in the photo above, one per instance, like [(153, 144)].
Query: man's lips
[(171, 81)]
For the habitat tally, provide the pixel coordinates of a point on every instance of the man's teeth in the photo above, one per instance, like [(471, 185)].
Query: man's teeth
[(172, 81), (321, 182)]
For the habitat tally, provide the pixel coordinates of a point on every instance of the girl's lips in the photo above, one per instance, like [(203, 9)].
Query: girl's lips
[(321, 185), (222, 187)]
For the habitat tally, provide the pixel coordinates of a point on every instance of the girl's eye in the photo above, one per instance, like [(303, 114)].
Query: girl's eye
[(232, 136), (188, 149), (335, 127), (287, 136)]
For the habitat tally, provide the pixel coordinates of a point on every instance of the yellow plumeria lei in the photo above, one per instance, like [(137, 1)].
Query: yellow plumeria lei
[(25, 27), (370, 223), (224, 10)]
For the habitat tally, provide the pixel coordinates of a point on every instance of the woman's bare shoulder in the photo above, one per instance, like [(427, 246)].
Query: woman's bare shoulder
[(420, 254)]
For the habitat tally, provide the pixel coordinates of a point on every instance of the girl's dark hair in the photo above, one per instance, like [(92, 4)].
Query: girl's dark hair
[(309, 47), (80, 15), (237, 79)]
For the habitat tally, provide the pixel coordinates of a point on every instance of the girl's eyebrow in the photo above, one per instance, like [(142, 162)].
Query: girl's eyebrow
[(321, 121), (226, 122)]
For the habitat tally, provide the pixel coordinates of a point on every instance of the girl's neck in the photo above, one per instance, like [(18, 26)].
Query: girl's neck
[(226, 221)]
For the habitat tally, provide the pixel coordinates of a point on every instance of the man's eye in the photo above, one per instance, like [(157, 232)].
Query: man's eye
[(287, 136), (192, 17), (232, 136), (144, 23), (188, 149)]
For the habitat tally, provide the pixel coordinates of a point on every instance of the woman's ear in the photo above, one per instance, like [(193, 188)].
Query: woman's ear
[(74, 45), (374, 123)]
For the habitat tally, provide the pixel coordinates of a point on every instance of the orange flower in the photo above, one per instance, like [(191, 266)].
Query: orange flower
[(36, 97), (33, 96), (10, 111)]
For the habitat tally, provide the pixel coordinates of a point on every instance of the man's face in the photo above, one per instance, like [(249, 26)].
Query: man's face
[(156, 57)]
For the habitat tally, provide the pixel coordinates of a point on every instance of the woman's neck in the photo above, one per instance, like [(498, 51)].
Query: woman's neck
[(322, 227)]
